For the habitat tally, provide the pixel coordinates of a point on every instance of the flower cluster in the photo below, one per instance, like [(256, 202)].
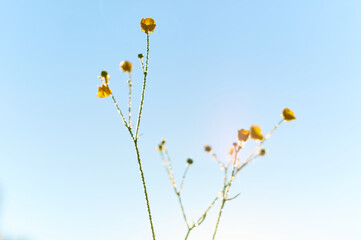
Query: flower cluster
[(148, 26), (104, 90), (235, 164)]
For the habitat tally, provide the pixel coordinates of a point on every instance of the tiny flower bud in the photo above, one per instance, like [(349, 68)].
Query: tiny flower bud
[(104, 74), (159, 148), (207, 148), (262, 152), (190, 161), (230, 152), (162, 141), (140, 55)]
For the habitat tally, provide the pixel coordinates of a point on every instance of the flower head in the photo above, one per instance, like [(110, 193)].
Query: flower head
[(104, 91), (147, 25), (256, 132), (126, 66), (288, 114), (243, 135)]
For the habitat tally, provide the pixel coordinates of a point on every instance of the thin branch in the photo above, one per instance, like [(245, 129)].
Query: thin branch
[(130, 101), (183, 178), (143, 91)]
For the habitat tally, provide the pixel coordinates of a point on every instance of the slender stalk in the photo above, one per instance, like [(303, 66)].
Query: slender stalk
[(182, 209), (227, 188), (189, 230), (144, 186), (143, 91), (169, 169), (130, 101), (183, 178), (139, 165), (120, 113), (217, 159), (264, 139)]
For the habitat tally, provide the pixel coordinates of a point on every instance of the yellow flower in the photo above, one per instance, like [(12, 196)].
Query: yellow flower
[(256, 132), (104, 91), (230, 152), (243, 135), (126, 66), (147, 25), (288, 114), (207, 148)]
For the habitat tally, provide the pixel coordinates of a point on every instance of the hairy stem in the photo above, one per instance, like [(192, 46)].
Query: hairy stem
[(144, 187), (183, 178), (130, 101), (143, 91)]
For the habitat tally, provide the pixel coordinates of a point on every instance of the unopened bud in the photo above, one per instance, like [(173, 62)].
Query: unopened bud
[(262, 152), (207, 148)]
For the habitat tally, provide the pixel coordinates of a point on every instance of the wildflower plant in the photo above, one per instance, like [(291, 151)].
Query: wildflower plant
[(231, 168), (147, 25)]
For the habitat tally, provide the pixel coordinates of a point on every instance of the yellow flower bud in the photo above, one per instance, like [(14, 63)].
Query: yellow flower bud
[(288, 114), (126, 66), (230, 152), (147, 25), (104, 91), (256, 132), (243, 135)]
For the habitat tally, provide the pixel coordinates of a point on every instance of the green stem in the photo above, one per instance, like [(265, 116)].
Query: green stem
[(139, 164), (182, 208), (183, 178), (130, 101), (144, 187), (143, 91), (226, 189), (120, 113), (189, 230)]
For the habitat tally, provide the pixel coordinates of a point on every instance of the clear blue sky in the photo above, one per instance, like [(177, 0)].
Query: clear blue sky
[(67, 166)]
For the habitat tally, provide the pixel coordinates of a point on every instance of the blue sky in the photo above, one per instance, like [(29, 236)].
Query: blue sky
[(67, 166)]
